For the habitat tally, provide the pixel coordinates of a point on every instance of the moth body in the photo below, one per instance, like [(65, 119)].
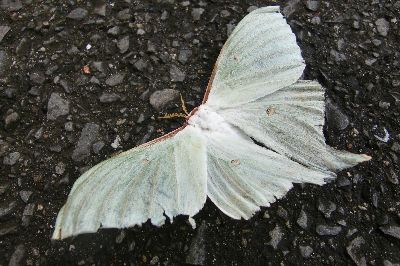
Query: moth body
[(210, 122)]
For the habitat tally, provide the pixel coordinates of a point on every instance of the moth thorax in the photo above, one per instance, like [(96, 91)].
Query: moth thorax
[(208, 120)]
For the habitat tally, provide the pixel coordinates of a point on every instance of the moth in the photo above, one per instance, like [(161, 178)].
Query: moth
[(254, 93)]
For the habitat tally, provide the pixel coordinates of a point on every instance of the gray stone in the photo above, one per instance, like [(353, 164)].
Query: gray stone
[(115, 31), (163, 98), (338, 57), (197, 251), (155, 260), (94, 80), (140, 65), (60, 168), (11, 119), (229, 28), (69, 126), (100, 10), (251, 8), (99, 66), (8, 228), (97, 147), (336, 119), (123, 44), (316, 20), (276, 236), (306, 251), (184, 55), (78, 14), (23, 46), (3, 31), (7, 208), (290, 7), (197, 12), (120, 237), (225, 13), (109, 97), (64, 84), (57, 106), (326, 207), (327, 230), (302, 220), (355, 251), (27, 214), (391, 230), (25, 195), (312, 5), (176, 74), (124, 14), (388, 262), (5, 62), (88, 136), (11, 158), (164, 15), (37, 78), (3, 188), (382, 26), (115, 80), (11, 5), (282, 213), (18, 256), (150, 131)]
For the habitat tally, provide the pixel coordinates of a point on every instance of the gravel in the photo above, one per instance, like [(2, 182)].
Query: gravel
[(12, 158), (3, 31), (88, 136), (57, 106), (354, 249), (327, 230), (391, 230), (18, 256), (78, 14), (163, 98), (306, 251), (109, 97), (351, 48), (382, 26), (197, 251), (115, 80), (276, 236), (302, 221), (176, 74)]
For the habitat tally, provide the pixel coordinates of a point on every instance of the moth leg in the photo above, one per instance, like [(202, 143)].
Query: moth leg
[(172, 115), (184, 105)]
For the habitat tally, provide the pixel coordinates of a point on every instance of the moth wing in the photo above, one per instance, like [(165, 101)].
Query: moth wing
[(167, 177), (290, 121), (243, 176), (259, 57)]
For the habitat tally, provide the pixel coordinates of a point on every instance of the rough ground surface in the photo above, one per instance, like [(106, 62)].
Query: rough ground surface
[(75, 84)]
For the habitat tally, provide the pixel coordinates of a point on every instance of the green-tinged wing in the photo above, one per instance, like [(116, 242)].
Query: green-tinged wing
[(243, 176), (260, 57), (290, 122), (166, 178)]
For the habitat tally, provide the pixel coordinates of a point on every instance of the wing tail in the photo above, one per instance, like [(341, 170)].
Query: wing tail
[(290, 122)]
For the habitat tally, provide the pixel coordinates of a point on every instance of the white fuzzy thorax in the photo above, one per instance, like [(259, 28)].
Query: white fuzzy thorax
[(210, 122)]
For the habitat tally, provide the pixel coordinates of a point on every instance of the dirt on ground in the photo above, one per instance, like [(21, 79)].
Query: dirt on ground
[(77, 85)]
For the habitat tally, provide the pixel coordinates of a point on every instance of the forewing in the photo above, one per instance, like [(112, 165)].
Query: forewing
[(243, 176), (260, 56), (164, 178), (290, 122)]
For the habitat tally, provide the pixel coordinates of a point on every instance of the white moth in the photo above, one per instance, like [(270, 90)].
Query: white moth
[(254, 93)]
